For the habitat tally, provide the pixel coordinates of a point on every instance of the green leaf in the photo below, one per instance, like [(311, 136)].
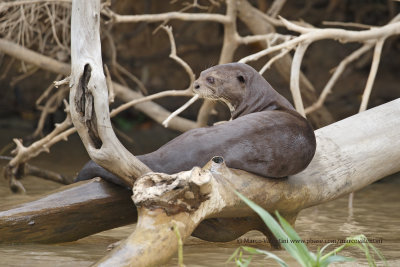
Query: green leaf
[(233, 256), (377, 252), (243, 262), (324, 247), (268, 255), (334, 258), (306, 255), (276, 229)]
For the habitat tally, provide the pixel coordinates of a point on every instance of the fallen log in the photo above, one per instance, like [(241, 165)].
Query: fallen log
[(68, 214)]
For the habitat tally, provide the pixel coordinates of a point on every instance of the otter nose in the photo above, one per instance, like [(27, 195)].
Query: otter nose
[(196, 85)]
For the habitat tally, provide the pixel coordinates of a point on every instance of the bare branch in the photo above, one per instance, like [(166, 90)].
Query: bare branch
[(23, 154), (131, 103), (347, 24), (50, 107), (273, 59), (295, 77), (179, 110), (30, 2), (174, 56), (371, 77), (338, 71), (312, 35), (116, 18), (89, 96), (47, 91), (135, 79), (151, 109), (275, 8), (111, 94), (229, 46)]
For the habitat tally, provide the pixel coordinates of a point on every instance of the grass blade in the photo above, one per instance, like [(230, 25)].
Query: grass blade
[(335, 258), (301, 247), (276, 229), (267, 254)]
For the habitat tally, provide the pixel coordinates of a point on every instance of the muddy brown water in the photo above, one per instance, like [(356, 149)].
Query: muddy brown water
[(376, 214)]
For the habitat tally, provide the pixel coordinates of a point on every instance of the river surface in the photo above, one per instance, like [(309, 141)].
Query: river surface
[(376, 214)]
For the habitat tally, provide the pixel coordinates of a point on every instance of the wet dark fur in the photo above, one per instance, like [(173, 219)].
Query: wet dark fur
[(266, 136)]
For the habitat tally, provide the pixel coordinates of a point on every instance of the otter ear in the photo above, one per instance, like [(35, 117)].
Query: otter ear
[(241, 79)]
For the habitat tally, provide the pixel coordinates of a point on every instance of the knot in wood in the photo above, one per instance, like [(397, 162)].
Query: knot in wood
[(175, 193)]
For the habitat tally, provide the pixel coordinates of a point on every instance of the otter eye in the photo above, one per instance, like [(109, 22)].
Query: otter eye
[(240, 78), (210, 79)]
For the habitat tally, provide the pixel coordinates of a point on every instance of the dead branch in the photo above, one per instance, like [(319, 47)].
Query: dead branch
[(257, 22), (39, 24), (47, 91), (335, 76), (23, 154), (275, 8), (175, 57), (309, 35), (116, 18), (295, 77), (229, 46), (312, 35), (89, 96), (117, 68), (347, 24), (149, 98), (50, 107), (180, 110), (111, 94), (27, 169), (153, 110), (29, 56), (371, 77)]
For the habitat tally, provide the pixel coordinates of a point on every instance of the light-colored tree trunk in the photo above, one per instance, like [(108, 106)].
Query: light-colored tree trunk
[(89, 96)]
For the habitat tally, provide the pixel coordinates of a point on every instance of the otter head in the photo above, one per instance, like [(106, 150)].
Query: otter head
[(227, 83)]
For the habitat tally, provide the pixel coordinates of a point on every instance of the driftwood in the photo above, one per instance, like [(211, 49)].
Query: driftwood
[(68, 214)]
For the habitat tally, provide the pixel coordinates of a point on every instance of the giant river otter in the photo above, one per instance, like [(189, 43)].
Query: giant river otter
[(266, 135)]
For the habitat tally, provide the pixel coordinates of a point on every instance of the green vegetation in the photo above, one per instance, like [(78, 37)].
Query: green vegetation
[(298, 250), (180, 246)]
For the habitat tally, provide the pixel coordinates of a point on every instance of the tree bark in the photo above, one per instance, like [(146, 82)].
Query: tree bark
[(89, 96)]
